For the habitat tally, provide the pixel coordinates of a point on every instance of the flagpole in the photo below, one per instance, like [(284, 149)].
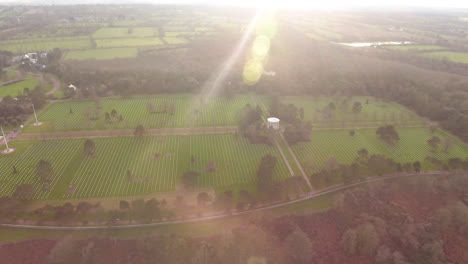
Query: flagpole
[(35, 116), (4, 138)]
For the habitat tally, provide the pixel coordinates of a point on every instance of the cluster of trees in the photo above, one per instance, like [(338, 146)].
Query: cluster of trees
[(14, 111), (113, 115), (296, 130), (383, 231), (251, 125), (164, 107), (375, 164), (388, 134), (437, 144)]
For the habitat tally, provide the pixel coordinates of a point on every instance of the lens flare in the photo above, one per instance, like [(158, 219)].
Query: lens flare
[(253, 71), (260, 47)]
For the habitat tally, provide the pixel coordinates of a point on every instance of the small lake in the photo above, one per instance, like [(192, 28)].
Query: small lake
[(377, 43)]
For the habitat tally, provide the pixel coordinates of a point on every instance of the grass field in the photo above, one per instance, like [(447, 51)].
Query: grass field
[(128, 42), (189, 111), (17, 88), (45, 44), (175, 40), (340, 145), (102, 54), (155, 163), (373, 111), (460, 57), (7, 76), (125, 32), (415, 47)]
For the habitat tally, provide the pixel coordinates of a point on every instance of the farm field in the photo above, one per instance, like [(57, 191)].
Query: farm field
[(373, 110), (17, 88), (46, 44), (415, 48), (125, 32), (128, 42), (136, 166), (460, 57), (175, 40), (188, 111), (340, 145), (102, 54)]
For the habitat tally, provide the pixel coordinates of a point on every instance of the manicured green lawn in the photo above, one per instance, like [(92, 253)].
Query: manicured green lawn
[(8, 76), (340, 145), (125, 32), (17, 88), (373, 110), (189, 111), (102, 54), (136, 166), (460, 57)]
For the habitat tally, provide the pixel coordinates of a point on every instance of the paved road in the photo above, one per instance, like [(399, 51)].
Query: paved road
[(220, 216), (127, 133), (56, 85)]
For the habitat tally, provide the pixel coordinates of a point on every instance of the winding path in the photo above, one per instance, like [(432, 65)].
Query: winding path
[(220, 216)]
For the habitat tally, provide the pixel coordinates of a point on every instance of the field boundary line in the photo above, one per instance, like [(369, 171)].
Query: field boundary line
[(310, 196)]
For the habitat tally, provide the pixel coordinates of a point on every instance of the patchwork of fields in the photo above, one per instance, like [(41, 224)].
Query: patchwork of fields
[(136, 166), (188, 111), (45, 44)]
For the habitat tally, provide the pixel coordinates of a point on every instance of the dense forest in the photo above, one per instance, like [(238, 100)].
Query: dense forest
[(417, 220)]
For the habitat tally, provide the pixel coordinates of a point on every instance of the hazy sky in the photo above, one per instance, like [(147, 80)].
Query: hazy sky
[(273, 3)]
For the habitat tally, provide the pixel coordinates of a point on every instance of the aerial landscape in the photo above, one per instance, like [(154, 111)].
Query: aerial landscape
[(205, 133)]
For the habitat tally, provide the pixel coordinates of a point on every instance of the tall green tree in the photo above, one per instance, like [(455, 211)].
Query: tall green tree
[(44, 170), (89, 147), (298, 246), (388, 134)]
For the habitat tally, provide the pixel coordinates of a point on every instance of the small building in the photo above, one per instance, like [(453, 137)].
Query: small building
[(273, 122), (72, 87)]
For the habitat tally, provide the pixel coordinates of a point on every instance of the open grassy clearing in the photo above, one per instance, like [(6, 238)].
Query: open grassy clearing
[(31, 45), (17, 88), (340, 145), (373, 110), (102, 54), (128, 42), (126, 32), (415, 48), (460, 57), (136, 166), (189, 111)]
